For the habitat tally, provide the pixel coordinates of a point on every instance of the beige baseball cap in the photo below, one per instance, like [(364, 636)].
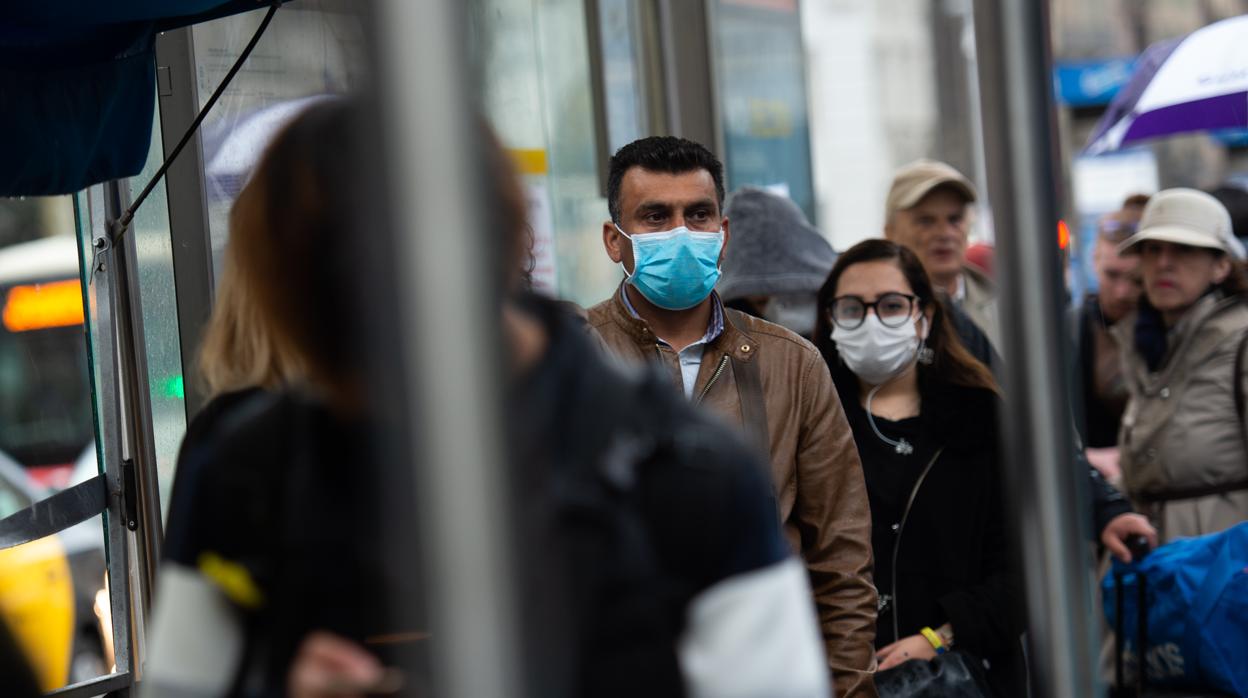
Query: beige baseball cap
[(914, 181), (1186, 217)]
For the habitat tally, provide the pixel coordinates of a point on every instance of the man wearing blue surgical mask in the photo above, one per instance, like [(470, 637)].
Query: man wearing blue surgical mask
[(668, 233)]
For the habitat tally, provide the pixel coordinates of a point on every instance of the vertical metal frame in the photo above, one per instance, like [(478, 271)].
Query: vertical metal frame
[(140, 444), (99, 270), (650, 65), (1046, 489), (598, 92), (105, 354), (434, 171), (188, 202), (954, 140), (691, 103), (650, 70)]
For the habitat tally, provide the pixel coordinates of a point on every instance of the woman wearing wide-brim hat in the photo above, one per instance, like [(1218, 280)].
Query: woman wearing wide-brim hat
[(1184, 438)]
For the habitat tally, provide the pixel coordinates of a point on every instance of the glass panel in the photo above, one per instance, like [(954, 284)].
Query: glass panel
[(154, 252), (762, 97), (312, 49), (622, 75), (45, 414), (532, 57), (45, 408), (89, 464), (49, 587)]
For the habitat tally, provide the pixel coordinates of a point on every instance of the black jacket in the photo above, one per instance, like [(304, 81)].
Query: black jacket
[(289, 491), (608, 600), (614, 535), (1097, 424), (1107, 501), (1095, 427), (954, 561), (973, 338)]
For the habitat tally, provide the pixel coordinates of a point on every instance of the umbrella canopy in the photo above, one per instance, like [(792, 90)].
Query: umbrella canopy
[(78, 85), (1196, 83), (232, 147)]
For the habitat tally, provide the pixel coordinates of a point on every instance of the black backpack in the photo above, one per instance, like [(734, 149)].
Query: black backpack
[(623, 613)]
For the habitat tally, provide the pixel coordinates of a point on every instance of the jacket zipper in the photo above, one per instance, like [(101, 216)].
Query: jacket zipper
[(719, 371), (901, 527)]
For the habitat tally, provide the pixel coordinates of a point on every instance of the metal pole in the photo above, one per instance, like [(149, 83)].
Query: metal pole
[(449, 315), (139, 447), (688, 47), (1044, 487), (102, 278)]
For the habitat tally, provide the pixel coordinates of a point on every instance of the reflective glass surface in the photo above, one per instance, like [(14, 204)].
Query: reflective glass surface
[(154, 251), (618, 23), (760, 75), (536, 95), (312, 49), (51, 588)]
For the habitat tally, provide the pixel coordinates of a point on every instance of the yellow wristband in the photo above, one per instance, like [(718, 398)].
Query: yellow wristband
[(932, 637)]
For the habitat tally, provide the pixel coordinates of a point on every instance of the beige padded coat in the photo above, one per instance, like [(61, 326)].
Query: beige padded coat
[(1181, 432)]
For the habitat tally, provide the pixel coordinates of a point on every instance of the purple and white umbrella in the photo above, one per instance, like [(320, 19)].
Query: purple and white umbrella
[(233, 144), (1197, 83)]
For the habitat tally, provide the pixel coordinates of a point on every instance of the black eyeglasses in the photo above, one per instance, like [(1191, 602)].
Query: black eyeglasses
[(893, 310)]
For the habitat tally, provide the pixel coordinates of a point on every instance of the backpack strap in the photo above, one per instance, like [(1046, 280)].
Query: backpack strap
[(749, 382), (753, 404), (618, 426), (1239, 384)]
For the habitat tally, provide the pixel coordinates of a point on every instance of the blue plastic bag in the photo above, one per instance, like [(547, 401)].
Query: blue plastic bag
[(1197, 601)]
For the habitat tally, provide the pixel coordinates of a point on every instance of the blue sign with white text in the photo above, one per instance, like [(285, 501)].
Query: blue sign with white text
[(1091, 83)]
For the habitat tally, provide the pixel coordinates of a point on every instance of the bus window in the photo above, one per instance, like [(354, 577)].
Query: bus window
[(45, 397)]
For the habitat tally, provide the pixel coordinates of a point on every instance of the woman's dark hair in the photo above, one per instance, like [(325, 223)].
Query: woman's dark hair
[(1236, 283), (509, 211), (952, 364)]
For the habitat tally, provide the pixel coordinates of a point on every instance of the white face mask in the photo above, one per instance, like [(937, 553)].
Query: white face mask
[(876, 353)]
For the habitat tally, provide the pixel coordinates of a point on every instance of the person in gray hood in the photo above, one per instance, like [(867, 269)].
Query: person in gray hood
[(777, 261)]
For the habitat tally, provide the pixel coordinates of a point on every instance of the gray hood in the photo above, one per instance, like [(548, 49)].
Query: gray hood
[(774, 250)]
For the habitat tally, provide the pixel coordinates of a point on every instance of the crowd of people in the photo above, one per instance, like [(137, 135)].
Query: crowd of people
[(788, 486)]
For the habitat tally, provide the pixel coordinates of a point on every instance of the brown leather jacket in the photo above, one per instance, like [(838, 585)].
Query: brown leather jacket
[(814, 465)]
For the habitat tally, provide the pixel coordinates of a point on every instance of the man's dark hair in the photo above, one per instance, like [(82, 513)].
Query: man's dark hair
[(661, 154)]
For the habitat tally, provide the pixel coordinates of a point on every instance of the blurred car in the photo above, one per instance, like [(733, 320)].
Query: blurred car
[(48, 587), (36, 588), (84, 546)]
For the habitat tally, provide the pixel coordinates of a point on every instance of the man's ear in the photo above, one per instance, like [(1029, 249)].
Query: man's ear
[(611, 240)]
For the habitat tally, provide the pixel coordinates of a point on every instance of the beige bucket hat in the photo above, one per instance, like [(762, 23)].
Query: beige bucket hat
[(1186, 217)]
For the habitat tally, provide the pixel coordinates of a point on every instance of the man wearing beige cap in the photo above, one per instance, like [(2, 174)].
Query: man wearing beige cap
[(927, 211)]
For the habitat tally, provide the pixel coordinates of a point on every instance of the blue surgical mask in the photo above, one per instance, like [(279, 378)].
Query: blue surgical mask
[(675, 269)]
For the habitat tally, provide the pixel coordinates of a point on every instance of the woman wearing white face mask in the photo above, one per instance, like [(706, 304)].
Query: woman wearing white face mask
[(923, 413)]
